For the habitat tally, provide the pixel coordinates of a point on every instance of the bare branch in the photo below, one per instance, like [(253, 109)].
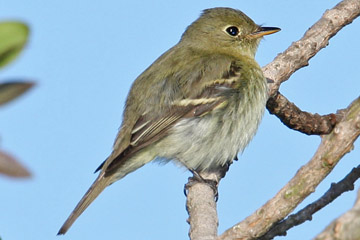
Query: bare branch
[(332, 148), (201, 204), (294, 118), (336, 189), (298, 56), (316, 38), (201, 207), (345, 227), (283, 66)]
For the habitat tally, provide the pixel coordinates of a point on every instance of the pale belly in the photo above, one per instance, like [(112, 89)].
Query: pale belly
[(211, 141)]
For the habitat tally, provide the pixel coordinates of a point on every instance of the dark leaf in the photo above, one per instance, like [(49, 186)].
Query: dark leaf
[(11, 90), (10, 167)]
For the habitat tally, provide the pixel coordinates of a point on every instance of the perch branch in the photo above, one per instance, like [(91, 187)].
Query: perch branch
[(286, 63), (345, 227), (332, 148), (336, 189)]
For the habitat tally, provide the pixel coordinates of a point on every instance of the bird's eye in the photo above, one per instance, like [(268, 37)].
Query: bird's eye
[(233, 31)]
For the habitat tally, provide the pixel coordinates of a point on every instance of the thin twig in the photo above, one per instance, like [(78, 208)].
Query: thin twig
[(344, 227), (336, 189), (283, 66), (332, 148)]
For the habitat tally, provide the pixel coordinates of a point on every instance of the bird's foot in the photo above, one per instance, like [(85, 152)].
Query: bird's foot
[(197, 178)]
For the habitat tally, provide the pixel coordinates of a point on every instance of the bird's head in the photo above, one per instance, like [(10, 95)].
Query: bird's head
[(225, 30)]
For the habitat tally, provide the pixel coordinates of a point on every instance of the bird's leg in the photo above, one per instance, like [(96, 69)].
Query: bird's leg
[(197, 178)]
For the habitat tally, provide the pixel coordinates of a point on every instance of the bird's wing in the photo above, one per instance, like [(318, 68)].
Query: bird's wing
[(149, 128)]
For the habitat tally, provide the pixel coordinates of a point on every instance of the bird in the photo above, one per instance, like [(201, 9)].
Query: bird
[(199, 104)]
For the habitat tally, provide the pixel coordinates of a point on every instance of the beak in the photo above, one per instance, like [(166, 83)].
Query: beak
[(264, 31)]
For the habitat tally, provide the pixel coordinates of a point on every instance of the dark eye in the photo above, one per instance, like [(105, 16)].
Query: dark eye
[(233, 31)]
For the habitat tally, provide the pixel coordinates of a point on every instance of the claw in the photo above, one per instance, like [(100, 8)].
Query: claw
[(198, 178)]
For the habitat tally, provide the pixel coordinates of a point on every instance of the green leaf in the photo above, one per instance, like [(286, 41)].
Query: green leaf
[(13, 37), (11, 90)]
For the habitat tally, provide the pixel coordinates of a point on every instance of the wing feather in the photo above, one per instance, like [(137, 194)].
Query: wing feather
[(149, 128)]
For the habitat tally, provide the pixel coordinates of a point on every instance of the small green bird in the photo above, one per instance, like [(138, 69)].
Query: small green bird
[(198, 104)]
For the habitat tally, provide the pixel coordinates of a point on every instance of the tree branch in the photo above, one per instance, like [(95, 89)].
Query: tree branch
[(283, 66), (201, 207), (316, 38), (298, 56), (336, 189), (345, 227), (294, 118), (332, 148)]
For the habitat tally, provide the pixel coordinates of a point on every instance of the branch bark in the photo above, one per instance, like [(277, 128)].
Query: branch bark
[(316, 38), (345, 227), (201, 206), (331, 149), (336, 189), (291, 116)]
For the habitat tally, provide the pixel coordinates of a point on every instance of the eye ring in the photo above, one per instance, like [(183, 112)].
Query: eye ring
[(232, 31)]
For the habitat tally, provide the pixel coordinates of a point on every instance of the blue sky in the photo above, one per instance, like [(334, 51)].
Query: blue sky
[(84, 56)]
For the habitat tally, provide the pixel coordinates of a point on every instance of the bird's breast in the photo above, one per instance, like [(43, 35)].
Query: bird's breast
[(207, 142)]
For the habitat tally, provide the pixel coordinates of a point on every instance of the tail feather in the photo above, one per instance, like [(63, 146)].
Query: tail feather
[(96, 188)]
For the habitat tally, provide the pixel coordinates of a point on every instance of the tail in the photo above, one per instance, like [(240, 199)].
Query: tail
[(96, 188), (104, 179)]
